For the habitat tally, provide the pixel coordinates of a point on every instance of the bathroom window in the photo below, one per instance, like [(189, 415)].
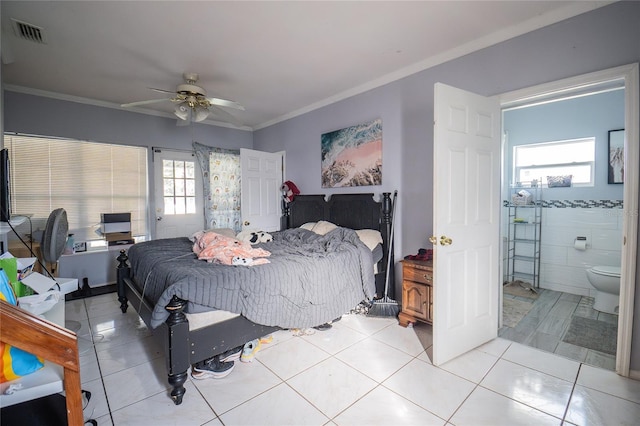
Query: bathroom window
[(574, 157)]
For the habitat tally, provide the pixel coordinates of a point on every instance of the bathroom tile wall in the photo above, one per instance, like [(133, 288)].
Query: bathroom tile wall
[(563, 267)]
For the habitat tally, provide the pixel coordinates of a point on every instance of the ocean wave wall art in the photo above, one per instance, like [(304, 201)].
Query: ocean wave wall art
[(352, 156)]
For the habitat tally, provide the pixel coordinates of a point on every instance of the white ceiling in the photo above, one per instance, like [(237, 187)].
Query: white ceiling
[(278, 59)]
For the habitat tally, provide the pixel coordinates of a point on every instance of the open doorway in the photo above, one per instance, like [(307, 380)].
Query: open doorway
[(560, 280)]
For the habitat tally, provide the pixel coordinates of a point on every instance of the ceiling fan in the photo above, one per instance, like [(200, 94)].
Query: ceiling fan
[(192, 104)]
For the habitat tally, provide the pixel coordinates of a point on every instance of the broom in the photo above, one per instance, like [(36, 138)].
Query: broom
[(387, 307)]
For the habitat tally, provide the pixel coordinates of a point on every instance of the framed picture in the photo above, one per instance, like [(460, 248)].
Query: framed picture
[(616, 156), (352, 156), (80, 247)]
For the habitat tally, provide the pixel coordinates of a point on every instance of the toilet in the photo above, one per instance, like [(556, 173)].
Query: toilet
[(606, 280)]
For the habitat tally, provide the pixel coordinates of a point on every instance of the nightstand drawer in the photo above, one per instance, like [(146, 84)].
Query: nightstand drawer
[(417, 275)]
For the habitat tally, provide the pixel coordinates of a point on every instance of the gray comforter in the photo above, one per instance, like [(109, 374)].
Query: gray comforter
[(311, 279)]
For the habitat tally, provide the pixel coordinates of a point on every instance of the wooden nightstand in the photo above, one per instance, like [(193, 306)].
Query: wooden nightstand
[(417, 292)]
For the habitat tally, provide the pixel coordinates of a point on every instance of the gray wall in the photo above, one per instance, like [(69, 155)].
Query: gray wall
[(601, 39)]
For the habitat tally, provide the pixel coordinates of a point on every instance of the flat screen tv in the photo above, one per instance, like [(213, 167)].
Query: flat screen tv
[(5, 193)]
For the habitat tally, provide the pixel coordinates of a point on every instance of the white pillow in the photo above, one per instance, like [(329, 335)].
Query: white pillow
[(308, 226), (323, 227), (370, 237)]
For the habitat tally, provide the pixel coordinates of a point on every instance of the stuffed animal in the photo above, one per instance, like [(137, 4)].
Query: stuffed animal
[(289, 190), (254, 237), (217, 248), (244, 261)]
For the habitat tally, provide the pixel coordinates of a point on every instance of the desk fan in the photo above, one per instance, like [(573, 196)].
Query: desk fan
[(54, 239)]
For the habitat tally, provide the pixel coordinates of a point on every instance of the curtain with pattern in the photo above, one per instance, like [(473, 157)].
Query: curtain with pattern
[(221, 175)]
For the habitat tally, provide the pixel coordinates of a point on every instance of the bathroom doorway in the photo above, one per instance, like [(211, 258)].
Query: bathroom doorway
[(567, 293)]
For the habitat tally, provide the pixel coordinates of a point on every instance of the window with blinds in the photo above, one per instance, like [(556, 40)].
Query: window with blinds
[(84, 178)]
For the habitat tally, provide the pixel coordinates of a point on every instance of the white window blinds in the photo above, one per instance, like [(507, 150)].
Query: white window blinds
[(84, 178)]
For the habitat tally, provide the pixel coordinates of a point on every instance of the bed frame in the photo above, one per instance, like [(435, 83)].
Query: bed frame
[(183, 347)]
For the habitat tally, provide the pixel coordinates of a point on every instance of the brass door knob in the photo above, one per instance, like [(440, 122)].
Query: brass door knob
[(444, 240)]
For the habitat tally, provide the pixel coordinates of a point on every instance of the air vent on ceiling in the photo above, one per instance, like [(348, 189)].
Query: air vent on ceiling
[(28, 32)]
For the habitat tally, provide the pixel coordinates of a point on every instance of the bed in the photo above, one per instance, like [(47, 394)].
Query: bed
[(193, 326)]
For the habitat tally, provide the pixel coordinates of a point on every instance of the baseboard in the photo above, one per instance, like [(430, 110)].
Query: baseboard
[(634, 374)]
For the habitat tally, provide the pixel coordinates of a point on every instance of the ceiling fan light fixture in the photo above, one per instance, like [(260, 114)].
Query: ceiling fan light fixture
[(200, 114), (182, 110)]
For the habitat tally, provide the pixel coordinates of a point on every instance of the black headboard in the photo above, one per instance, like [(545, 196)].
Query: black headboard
[(355, 211)]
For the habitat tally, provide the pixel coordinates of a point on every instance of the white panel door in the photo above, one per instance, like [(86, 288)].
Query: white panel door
[(261, 199), (179, 198), (465, 221)]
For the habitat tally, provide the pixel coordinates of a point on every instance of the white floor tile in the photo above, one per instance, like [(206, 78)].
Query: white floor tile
[(367, 325), (130, 354), (124, 330), (411, 340), (100, 299), (104, 420), (484, 407), (105, 306), (98, 405), (278, 406), (384, 407), (530, 387), (472, 365), (291, 357), (335, 339), (374, 358), (89, 369), (159, 410), (545, 362), (591, 407), (432, 388), (609, 382), (135, 384), (75, 310), (246, 381), (331, 386), (495, 347), (339, 372)]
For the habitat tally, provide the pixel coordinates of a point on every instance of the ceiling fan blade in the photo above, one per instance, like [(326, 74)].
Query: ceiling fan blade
[(223, 115), (163, 91), (225, 103), (152, 101)]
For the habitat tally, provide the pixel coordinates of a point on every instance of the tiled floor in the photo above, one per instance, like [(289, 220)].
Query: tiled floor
[(548, 320), (365, 371)]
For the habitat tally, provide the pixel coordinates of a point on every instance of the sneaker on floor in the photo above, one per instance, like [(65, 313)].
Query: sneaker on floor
[(266, 339), (249, 350), (211, 368), (323, 327), (231, 354)]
